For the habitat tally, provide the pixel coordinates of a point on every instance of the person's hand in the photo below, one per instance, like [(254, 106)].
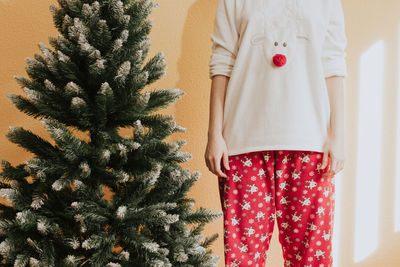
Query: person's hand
[(216, 149), (334, 148)]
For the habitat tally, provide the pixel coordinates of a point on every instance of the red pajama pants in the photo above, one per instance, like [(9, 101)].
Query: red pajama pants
[(286, 185)]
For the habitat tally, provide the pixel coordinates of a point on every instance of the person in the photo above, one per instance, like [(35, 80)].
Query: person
[(276, 137)]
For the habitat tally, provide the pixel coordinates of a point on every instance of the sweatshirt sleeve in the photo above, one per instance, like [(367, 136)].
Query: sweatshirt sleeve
[(333, 50), (224, 38)]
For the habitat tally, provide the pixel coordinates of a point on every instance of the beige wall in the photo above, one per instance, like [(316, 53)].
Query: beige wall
[(182, 30)]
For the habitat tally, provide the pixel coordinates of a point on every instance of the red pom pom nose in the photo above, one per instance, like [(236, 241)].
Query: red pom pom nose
[(279, 60)]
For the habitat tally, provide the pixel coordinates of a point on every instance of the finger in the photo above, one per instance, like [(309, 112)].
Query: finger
[(208, 163), (324, 159), (218, 169), (335, 165), (222, 174), (340, 166), (211, 166), (226, 161), (331, 163), (327, 164), (329, 171), (328, 174)]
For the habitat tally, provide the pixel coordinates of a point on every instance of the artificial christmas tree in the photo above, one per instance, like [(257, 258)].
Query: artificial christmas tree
[(93, 81)]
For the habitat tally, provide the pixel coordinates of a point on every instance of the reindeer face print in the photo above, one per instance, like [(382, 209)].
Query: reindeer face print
[(278, 44)]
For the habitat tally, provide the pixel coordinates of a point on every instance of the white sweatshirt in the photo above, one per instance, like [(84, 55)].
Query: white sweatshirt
[(277, 54)]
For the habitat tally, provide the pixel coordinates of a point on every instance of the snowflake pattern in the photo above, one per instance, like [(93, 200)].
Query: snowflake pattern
[(282, 185)]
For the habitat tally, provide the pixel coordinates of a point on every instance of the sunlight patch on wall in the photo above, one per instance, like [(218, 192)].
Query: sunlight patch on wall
[(369, 151), (397, 164)]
